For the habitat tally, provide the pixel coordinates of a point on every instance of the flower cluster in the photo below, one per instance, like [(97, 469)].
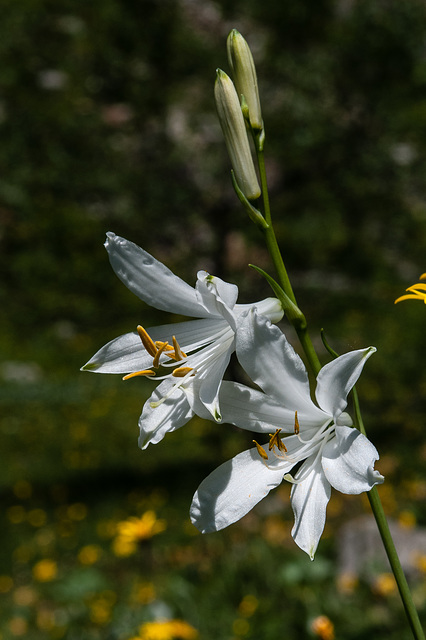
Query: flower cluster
[(192, 358), (311, 445)]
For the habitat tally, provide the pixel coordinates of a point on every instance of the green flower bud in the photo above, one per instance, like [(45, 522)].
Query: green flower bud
[(244, 72), (234, 130)]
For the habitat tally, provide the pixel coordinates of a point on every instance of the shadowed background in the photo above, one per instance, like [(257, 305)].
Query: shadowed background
[(108, 122)]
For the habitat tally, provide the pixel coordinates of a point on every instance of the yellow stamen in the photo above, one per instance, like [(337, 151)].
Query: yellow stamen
[(145, 372), (156, 361), (179, 354), (296, 424), (147, 341), (275, 441), (167, 346), (423, 276), (261, 451), (180, 372)]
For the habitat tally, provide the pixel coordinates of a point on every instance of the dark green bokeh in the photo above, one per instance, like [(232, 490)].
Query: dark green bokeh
[(108, 123)]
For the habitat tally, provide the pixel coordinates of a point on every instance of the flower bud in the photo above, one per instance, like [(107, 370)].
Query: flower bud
[(234, 130), (242, 64)]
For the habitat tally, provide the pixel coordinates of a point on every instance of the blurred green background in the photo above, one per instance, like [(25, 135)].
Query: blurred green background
[(107, 122)]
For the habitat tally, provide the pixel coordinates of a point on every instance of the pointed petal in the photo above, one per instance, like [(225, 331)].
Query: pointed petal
[(150, 280), (348, 462), (171, 414), (309, 500), (217, 297), (126, 353), (272, 363), (252, 410), (210, 383), (232, 490), (337, 378)]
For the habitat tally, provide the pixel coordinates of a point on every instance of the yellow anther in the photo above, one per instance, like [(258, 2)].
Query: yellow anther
[(275, 441), (156, 361), (423, 276), (261, 451), (179, 354), (167, 346), (147, 341), (296, 424), (145, 372), (180, 372)]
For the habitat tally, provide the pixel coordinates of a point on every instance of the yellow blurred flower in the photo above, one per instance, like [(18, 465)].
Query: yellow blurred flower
[(248, 606), (133, 530), (89, 554), (416, 291), (407, 519), (6, 584), (384, 584), (143, 593), (323, 628), (45, 570), (167, 630)]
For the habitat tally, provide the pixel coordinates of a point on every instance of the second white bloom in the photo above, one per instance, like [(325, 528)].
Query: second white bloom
[(331, 452)]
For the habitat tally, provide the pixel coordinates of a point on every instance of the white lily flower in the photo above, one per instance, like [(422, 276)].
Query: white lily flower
[(191, 352), (331, 452)]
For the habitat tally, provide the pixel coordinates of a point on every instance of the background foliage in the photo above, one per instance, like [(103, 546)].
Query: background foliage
[(108, 123)]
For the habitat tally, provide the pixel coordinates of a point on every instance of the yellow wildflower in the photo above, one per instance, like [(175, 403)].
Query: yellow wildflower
[(417, 291), (167, 630), (134, 530), (323, 628), (45, 570)]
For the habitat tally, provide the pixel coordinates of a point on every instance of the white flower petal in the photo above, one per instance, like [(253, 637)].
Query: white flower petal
[(209, 295), (337, 378), (126, 354), (232, 490), (348, 462), (150, 280), (309, 500), (171, 414), (209, 387), (272, 363), (252, 410)]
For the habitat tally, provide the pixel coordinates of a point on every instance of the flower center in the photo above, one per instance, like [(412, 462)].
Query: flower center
[(156, 350)]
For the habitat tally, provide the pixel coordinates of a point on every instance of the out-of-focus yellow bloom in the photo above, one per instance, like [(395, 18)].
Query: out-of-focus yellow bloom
[(240, 627), (248, 606), (385, 584), (167, 630), (407, 519), (6, 584), (143, 593), (45, 570), (347, 583), (89, 554), (323, 628), (133, 530), (416, 291)]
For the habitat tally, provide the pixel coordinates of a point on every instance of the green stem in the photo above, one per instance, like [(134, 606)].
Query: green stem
[(388, 543), (373, 495), (275, 253)]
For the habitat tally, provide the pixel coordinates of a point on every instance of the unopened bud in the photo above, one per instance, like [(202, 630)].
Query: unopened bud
[(244, 72), (234, 130)]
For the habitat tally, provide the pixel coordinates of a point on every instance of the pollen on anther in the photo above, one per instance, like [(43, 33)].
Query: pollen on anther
[(147, 341), (261, 451), (145, 372), (181, 372), (296, 424)]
